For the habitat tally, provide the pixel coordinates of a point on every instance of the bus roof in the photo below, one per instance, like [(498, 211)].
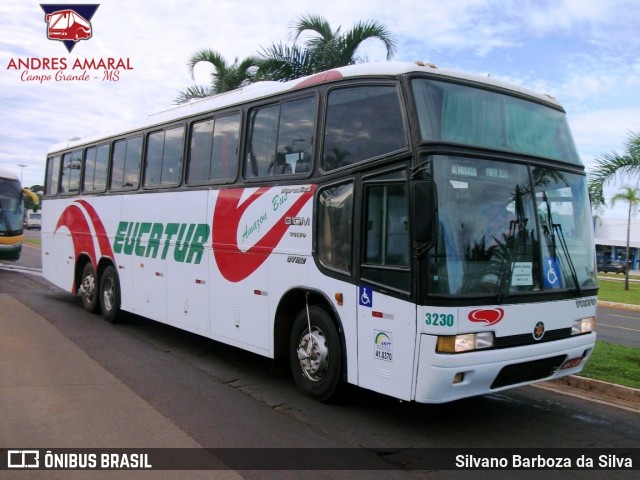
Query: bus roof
[(7, 173), (264, 89)]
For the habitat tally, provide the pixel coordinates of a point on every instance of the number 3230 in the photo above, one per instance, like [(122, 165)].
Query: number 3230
[(439, 319)]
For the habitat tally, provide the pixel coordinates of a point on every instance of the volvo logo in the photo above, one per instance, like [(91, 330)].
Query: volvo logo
[(538, 332)]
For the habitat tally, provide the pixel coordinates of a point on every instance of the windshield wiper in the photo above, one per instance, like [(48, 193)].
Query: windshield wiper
[(565, 249), (515, 245), (556, 228)]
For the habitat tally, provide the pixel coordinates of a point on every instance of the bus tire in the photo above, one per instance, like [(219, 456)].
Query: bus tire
[(89, 289), (110, 294), (316, 360)]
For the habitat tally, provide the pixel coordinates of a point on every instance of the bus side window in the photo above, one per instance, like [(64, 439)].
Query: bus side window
[(281, 138), (53, 175), (226, 144), (295, 135), (71, 169), (95, 168), (262, 141), (164, 157), (334, 232), (386, 250), (213, 150), (362, 123), (127, 157)]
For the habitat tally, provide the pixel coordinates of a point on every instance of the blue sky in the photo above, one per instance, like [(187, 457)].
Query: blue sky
[(586, 53)]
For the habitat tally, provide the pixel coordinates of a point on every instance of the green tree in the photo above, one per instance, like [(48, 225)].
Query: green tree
[(285, 62), (224, 77), (323, 50), (632, 196), (611, 165)]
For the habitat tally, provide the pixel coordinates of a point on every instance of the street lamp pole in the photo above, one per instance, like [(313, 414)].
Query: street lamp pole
[(21, 170)]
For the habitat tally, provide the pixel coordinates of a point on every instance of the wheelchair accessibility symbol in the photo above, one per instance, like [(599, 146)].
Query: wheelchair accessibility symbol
[(365, 296), (551, 273)]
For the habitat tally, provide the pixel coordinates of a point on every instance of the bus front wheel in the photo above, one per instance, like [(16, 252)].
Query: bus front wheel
[(110, 294), (316, 356)]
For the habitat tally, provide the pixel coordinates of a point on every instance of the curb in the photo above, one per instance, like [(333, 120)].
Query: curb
[(598, 391), (621, 306), (627, 394)]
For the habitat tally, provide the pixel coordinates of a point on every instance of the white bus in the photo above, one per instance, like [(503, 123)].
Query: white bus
[(350, 222)]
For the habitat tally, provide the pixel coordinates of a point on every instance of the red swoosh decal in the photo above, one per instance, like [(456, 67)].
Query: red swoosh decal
[(489, 316), (75, 221), (74, 218), (101, 232), (234, 264)]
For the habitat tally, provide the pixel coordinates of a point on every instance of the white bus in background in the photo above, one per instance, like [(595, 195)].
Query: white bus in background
[(412, 230), (33, 220)]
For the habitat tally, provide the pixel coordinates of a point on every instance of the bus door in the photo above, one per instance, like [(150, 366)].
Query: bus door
[(386, 315)]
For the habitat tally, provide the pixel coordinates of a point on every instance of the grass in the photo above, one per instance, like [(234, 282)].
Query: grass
[(614, 364), (610, 362), (613, 291), (613, 275), (32, 241)]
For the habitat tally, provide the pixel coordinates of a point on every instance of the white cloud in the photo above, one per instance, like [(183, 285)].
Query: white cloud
[(603, 131)]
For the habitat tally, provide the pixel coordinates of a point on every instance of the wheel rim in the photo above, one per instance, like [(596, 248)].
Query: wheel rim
[(88, 288), (108, 294), (313, 354)]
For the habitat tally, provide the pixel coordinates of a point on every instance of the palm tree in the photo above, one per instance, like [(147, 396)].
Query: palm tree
[(224, 78), (611, 164), (284, 62), (631, 195), (324, 50)]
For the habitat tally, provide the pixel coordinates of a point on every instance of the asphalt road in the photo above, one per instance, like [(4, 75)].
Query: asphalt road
[(224, 397), (619, 326)]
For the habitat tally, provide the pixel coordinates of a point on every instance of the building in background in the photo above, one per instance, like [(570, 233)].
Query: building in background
[(611, 240)]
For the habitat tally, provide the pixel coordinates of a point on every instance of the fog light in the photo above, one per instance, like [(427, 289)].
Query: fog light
[(458, 378), (572, 363), (583, 325)]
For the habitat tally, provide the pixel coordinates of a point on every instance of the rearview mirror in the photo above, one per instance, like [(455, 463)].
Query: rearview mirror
[(424, 210)]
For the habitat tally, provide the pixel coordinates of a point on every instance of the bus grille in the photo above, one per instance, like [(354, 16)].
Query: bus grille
[(528, 371), (527, 338)]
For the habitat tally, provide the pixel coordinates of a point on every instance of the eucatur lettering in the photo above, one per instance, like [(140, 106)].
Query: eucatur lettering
[(184, 241)]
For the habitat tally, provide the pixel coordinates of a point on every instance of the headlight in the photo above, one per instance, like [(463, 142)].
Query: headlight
[(583, 325), (467, 342)]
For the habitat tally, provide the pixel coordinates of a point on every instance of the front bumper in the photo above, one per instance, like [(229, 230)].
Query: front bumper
[(443, 378)]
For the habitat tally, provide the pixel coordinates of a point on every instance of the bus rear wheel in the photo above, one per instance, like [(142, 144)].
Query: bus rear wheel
[(316, 356), (110, 294), (89, 289)]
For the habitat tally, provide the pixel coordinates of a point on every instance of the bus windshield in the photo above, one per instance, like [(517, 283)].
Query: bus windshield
[(11, 206), (505, 228), (471, 116)]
